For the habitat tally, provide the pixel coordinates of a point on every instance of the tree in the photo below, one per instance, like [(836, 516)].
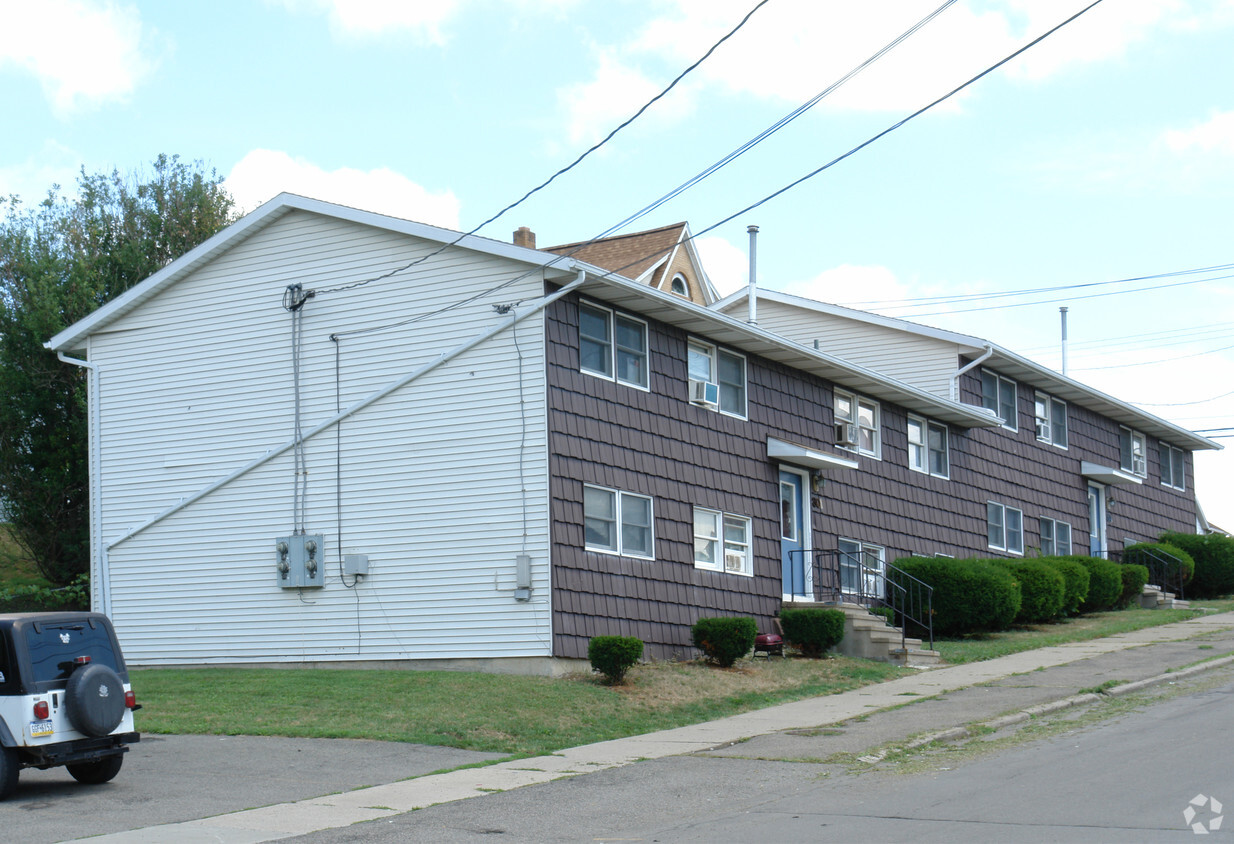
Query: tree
[(59, 261)]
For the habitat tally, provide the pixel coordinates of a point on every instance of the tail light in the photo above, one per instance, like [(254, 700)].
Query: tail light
[(41, 710), (130, 700)]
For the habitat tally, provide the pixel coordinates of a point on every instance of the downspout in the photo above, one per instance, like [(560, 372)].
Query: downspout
[(955, 378), (752, 290), (444, 357), (100, 581)]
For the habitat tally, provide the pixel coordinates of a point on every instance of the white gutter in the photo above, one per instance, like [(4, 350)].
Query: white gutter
[(444, 357), (100, 581), (955, 377)]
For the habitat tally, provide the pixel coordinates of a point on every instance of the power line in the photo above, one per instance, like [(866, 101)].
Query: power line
[(1153, 362), (1182, 403)]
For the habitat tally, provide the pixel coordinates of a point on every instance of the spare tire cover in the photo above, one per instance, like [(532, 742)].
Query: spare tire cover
[(95, 699)]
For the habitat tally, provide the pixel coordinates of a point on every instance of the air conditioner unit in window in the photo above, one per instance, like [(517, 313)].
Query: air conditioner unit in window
[(704, 392), (846, 434)]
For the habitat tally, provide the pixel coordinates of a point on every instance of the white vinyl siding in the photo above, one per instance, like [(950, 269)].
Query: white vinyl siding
[(196, 385)]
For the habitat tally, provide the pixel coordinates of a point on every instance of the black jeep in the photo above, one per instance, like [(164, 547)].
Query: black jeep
[(65, 697)]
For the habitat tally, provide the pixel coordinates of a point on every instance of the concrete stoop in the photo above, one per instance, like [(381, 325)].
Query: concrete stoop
[(869, 636), (1156, 598)]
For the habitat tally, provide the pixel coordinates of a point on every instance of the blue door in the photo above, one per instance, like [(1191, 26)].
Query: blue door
[(792, 534)]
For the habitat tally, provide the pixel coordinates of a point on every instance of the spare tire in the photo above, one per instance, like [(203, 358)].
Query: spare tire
[(94, 697)]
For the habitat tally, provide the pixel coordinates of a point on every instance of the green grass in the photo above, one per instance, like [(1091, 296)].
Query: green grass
[(982, 646), (491, 712)]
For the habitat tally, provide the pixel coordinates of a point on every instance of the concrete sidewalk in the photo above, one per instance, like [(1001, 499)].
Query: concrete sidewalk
[(990, 688)]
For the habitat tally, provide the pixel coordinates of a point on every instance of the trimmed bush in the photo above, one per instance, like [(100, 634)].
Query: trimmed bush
[(1105, 584), (75, 596), (970, 596), (1214, 562), (1150, 554), (1042, 590), (1075, 582), (613, 656), (812, 630), (723, 641), (1134, 578)]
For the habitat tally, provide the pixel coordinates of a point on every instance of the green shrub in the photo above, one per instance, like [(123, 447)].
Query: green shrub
[(724, 640), (970, 596), (1105, 584), (1075, 582), (75, 596), (1042, 590), (812, 630), (1156, 554), (1214, 562), (1134, 577), (613, 656)]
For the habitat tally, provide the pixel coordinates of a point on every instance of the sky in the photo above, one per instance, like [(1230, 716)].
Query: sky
[(1102, 154)]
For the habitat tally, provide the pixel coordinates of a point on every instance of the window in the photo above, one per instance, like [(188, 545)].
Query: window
[(679, 285), (1004, 528), (711, 365), (722, 542), (609, 343), (927, 447), (1055, 538), (998, 395), (617, 522), (1132, 451), (1051, 420), (860, 418), (1173, 471), (861, 568)]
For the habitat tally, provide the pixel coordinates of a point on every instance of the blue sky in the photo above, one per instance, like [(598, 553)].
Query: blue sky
[(1104, 153)]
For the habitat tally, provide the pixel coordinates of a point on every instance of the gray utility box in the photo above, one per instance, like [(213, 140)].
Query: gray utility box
[(299, 561)]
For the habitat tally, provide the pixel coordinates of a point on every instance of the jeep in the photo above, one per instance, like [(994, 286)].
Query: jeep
[(65, 697)]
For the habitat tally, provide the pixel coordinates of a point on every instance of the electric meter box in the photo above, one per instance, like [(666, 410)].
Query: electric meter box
[(299, 561)]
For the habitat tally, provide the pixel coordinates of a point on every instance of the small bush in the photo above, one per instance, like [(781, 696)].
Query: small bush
[(1156, 554), (1134, 577), (1042, 590), (1105, 584), (1214, 562), (1075, 582), (613, 656), (812, 630), (723, 641), (970, 596), (75, 596)]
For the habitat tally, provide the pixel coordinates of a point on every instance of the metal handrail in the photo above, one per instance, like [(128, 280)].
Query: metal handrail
[(1164, 570)]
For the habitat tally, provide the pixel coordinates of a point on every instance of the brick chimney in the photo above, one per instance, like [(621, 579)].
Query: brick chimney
[(525, 237)]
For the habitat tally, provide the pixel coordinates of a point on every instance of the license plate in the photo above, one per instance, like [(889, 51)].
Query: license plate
[(39, 729)]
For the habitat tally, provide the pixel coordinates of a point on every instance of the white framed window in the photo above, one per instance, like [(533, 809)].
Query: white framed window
[(1051, 414), (1004, 527), (857, 424), (927, 447), (617, 522), (1055, 538), (679, 286), (1173, 469), (998, 394), (722, 542), (1133, 452), (612, 345), (861, 567), (710, 365)]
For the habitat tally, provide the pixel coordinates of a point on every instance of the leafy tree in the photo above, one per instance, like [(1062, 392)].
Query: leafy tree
[(59, 261)]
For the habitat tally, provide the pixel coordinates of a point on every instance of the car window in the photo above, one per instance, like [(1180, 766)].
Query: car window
[(54, 647)]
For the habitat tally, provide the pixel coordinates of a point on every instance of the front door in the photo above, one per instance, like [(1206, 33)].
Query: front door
[(1096, 520), (794, 535)]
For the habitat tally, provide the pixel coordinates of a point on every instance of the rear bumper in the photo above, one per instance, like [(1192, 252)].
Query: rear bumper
[(78, 750)]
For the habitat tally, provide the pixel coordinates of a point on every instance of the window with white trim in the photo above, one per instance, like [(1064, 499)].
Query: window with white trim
[(861, 567), (722, 542), (617, 522), (1051, 416), (927, 447), (1004, 528), (709, 364), (860, 416), (1173, 469), (1132, 452), (1055, 538), (612, 345), (679, 286), (998, 394)]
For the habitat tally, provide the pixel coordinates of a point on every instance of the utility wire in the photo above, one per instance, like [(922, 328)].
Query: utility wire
[(1182, 403), (1152, 362), (560, 172)]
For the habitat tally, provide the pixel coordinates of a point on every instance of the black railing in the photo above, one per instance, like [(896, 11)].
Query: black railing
[(1165, 571)]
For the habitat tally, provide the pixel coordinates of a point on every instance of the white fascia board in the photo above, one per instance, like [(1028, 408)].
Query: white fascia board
[(710, 294), (1107, 474), (799, 455), (72, 338)]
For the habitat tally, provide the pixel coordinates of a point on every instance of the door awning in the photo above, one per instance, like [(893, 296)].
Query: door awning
[(1106, 474), (799, 455)]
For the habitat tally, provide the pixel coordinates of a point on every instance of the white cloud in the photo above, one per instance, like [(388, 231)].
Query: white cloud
[(52, 164), (727, 266), (1214, 135), (262, 174), (596, 107), (83, 54), (376, 17), (852, 283)]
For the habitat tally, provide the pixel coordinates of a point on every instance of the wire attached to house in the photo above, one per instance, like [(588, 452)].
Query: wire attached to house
[(294, 298)]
